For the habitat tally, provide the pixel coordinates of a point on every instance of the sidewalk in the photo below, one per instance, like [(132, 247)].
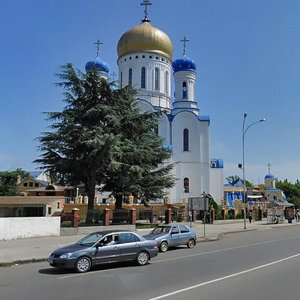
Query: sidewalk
[(38, 249)]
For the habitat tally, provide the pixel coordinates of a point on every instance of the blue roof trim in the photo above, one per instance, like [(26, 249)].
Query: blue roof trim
[(184, 101), (216, 163), (204, 118)]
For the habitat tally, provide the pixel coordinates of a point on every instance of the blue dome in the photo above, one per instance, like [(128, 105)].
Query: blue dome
[(184, 64), (269, 176), (98, 64)]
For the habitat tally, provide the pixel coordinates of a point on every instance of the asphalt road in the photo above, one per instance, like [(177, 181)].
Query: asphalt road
[(252, 265)]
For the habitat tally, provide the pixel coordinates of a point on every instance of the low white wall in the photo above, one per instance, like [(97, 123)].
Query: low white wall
[(17, 228)]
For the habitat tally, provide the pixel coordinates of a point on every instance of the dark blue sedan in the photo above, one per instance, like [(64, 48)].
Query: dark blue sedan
[(104, 247)]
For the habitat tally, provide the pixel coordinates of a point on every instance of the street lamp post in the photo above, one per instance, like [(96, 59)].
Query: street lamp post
[(243, 166)]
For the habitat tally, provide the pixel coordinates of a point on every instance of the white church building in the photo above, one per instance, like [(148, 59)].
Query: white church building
[(145, 61)]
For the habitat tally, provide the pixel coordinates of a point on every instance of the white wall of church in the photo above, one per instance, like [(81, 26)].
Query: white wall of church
[(164, 129), (159, 95), (198, 138), (193, 164), (217, 185), (188, 77)]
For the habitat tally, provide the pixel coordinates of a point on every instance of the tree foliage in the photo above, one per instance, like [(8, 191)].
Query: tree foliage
[(100, 138), (291, 190), (8, 180)]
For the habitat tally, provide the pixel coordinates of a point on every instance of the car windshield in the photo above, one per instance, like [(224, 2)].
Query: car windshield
[(161, 229), (90, 239)]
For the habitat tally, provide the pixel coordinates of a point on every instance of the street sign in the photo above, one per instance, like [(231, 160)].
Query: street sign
[(198, 203)]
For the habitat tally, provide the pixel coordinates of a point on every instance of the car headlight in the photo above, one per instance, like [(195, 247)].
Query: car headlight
[(66, 255)]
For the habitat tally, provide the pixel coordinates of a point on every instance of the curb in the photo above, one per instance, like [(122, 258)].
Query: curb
[(22, 262)]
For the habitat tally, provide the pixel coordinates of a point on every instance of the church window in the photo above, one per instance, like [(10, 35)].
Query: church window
[(184, 90), (143, 56), (186, 185), (130, 57), (136, 56), (156, 57), (150, 56), (130, 77), (143, 78), (156, 79), (125, 59), (121, 79), (166, 82), (185, 139)]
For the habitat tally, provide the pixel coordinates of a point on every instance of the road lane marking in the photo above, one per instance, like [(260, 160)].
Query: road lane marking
[(182, 257), (224, 249), (223, 278)]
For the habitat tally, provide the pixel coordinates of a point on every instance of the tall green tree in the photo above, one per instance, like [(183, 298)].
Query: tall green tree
[(291, 190), (81, 142), (8, 180), (89, 141), (140, 171)]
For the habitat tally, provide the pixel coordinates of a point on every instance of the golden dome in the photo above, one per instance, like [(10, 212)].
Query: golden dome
[(145, 38)]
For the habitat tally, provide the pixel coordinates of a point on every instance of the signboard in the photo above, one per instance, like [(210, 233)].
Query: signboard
[(198, 203)]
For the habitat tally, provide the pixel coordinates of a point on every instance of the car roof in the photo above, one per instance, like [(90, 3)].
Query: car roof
[(172, 224), (105, 232)]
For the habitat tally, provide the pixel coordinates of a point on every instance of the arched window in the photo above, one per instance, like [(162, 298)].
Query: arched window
[(167, 82), (186, 185), (185, 139), (130, 77), (143, 78), (156, 79), (184, 90), (121, 79)]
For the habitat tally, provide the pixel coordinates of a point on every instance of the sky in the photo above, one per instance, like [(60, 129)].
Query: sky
[(247, 54)]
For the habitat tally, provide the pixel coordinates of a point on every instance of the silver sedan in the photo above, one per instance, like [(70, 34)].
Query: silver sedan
[(169, 235)]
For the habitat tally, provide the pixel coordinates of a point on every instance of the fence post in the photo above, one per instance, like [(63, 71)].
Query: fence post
[(168, 215), (194, 215), (75, 217), (106, 216), (133, 216)]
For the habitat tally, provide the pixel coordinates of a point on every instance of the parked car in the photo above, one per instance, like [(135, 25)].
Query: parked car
[(169, 235), (104, 247)]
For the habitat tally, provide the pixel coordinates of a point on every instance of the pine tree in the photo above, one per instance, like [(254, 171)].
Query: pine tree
[(82, 141), (101, 138)]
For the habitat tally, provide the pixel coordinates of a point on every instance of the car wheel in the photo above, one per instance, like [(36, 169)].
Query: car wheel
[(164, 246), (142, 258), (83, 264), (191, 243)]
